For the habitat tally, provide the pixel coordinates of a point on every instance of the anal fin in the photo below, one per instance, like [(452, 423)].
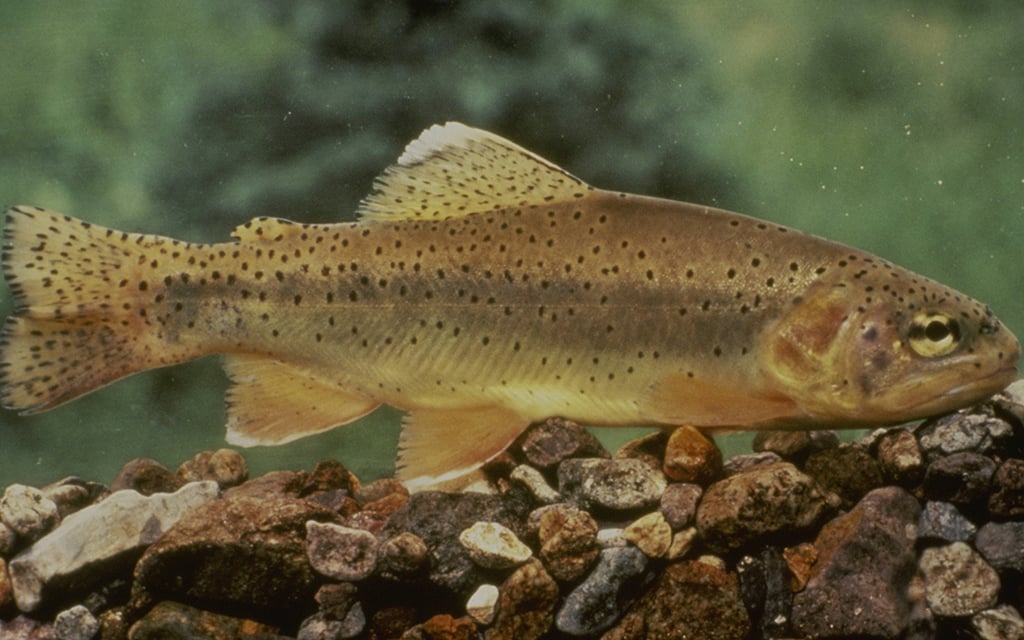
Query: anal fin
[(680, 399), (439, 445), (271, 402)]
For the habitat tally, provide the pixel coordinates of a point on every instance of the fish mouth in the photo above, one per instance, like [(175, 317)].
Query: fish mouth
[(971, 392)]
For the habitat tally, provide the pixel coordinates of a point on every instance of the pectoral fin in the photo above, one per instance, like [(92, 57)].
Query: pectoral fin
[(679, 399), (271, 402), (438, 445)]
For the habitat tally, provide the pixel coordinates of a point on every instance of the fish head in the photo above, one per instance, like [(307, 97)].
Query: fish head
[(850, 358)]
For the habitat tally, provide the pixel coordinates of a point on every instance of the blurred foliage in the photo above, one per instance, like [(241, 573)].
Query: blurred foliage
[(895, 128)]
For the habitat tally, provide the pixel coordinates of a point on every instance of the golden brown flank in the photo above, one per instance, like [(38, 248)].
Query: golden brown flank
[(485, 288)]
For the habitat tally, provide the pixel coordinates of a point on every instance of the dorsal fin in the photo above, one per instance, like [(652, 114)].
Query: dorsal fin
[(266, 229), (453, 170)]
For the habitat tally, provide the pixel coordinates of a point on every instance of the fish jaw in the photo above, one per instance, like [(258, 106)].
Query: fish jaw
[(850, 366)]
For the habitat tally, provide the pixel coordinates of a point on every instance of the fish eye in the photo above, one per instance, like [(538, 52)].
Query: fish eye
[(934, 334)]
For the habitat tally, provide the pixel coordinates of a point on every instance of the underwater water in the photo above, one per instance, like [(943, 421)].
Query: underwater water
[(893, 129)]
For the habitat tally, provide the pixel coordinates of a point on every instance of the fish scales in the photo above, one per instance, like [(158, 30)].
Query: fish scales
[(485, 289)]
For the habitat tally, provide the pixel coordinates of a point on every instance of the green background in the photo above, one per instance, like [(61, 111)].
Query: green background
[(891, 126)]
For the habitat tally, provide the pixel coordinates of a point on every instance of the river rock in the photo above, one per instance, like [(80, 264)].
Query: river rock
[(961, 478), (679, 504), (568, 542), (957, 580), (619, 485), (175, 621), (602, 597), (442, 627), (403, 556), (73, 557), (943, 522), (493, 546), (24, 628), (794, 445), (27, 511), (651, 534), (341, 553), (535, 482), (865, 561), (1006, 499), (147, 476), (899, 457), (766, 590), (1002, 545), (483, 604), (747, 461), (688, 600), (960, 432), (245, 553), (321, 626), (764, 501), (1001, 623), (76, 623), (438, 518), (691, 457), (72, 494), (526, 605), (847, 470), (226, 467), (550, 442)]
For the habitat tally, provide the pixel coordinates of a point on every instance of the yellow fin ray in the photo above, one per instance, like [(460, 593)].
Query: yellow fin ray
[(438, 445), (453, 170), (271, 402)]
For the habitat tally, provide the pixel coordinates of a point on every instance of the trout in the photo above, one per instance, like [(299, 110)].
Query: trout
[(484, 288)]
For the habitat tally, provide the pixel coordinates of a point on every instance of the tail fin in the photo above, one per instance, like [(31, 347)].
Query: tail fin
[(80, 317)]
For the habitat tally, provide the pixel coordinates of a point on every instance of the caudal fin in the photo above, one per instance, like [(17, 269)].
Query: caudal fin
[(80, 317)]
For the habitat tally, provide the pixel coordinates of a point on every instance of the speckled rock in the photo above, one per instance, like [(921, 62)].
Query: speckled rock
[(679, 504), (482, 606), (27, 511), (651, 534), (438, 519), (1002, 544), (846, 470), (943, 522), (175, 621), (682, 543), (865, 561), (568, 542), (549, 443), (494, 546), (688, 600), (598, 602), (960, 432), (339, 552), (335, 599), (147, 476), (691, 457), (73, 555), (245, 553), (1006, 499), (8, 540), (899, 457), (619, 485), (226, 467), (526, 605), (1001, 623), (763, 501), (961, 478), (958, 581)]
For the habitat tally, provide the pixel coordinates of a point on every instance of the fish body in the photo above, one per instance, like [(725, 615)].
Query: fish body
[(484, 289)]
